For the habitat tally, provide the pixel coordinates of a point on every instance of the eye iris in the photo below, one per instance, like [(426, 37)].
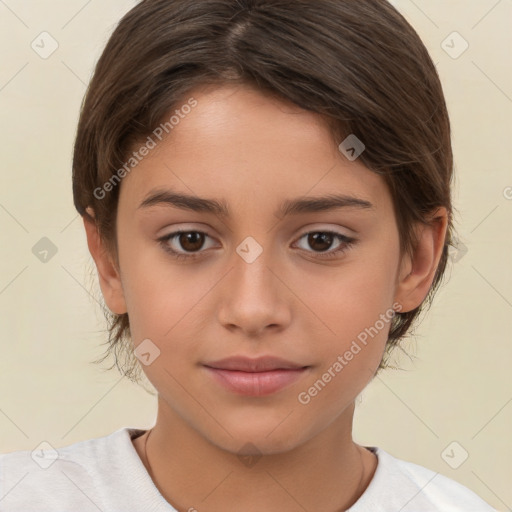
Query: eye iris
[(325, 240), (189, 241)]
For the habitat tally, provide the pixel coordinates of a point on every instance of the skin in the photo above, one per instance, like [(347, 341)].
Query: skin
[(253, 151)]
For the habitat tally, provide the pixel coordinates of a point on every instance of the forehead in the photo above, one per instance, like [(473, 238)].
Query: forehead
[(239, 143)]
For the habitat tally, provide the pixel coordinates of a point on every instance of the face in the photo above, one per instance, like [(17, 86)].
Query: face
[(312, 286)]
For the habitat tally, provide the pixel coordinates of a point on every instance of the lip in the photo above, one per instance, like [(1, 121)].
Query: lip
[(255, 377), (255, 365)]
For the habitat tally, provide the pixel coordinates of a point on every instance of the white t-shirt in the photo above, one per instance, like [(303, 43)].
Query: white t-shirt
[(106, 474)]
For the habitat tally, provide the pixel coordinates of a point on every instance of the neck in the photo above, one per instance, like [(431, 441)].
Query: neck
[(328, 472)]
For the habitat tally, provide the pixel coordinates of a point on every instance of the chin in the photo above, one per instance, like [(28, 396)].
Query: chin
[(251, 438), (257, 446)]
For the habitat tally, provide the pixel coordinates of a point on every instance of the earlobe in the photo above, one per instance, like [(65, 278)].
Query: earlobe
[(418, 270), (108, 274)]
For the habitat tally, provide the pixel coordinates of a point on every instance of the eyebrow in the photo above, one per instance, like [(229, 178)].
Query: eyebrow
[(287, 208)]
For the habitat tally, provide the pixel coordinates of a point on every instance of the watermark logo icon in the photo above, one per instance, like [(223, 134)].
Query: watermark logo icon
[(249, 250), (352, 147), (44, 250), (454, 45), (146, 352), (249, 455), (44, 455), (45, 45), (454, 455), (457, 251)]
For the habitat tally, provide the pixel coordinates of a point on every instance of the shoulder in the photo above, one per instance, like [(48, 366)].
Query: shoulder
[(59, 479), (401, 485)]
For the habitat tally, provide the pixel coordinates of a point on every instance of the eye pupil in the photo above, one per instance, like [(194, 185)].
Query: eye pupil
[(326, 240), (189, 241)]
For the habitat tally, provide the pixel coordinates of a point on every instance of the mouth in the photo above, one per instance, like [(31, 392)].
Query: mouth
[(255, 377)]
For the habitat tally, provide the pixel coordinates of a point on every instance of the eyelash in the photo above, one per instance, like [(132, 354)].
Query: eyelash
[(347, 244)]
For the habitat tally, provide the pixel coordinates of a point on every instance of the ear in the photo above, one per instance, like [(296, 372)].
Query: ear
[(109, 277), (418, 270)]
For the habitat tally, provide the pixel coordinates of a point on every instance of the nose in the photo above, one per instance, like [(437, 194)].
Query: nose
[(254, 297)]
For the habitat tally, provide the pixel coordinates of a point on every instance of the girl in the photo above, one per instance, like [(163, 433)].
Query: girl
[(265, 190)]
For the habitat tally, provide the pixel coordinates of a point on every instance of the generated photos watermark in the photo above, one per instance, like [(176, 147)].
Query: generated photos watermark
[(144, 150), (304, 397)]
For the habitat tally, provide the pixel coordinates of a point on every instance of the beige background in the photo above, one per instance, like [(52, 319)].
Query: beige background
[(456, 388)]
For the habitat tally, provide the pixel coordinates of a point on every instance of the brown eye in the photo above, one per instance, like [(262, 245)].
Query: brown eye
[(184, 244), (320, 241), (191, 241)]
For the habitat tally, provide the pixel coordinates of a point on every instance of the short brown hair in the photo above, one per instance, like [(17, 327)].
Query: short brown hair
[(358, 63)]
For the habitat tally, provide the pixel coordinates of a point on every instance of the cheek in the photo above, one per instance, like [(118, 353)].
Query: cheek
[(155, 299), (357, 308), (167, 303), (351, 298)]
